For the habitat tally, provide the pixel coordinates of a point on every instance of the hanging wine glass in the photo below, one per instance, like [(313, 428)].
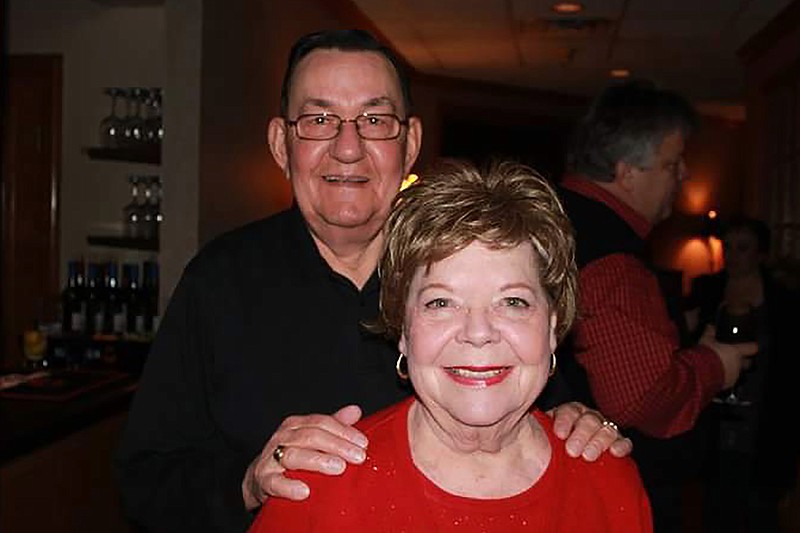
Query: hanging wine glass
[(127, 121), (132, 212), (153, 126), (136, 122), (111, 125)]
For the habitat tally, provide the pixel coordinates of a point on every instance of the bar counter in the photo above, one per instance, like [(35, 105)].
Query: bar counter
[(57, 439), (28, 424)]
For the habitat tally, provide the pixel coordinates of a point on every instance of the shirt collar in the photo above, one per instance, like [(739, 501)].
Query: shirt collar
[(587, 187), (302, 235)]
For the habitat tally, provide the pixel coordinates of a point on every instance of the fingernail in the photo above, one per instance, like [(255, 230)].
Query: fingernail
[(335, 466), (357, 456), (361, 440), (590, 453), (573, 449), (302, 492)]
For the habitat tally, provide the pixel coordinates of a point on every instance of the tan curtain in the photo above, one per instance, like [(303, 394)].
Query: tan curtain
[(782, 206)]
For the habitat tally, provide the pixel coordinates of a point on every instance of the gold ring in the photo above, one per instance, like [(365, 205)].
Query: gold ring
[(610, 424), (279, 453)]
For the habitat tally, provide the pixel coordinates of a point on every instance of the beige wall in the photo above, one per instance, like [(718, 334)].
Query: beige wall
[(245, 45), (181, 148), (101, 47)]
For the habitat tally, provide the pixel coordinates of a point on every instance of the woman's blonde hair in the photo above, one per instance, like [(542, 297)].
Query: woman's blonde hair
[(448, 209)]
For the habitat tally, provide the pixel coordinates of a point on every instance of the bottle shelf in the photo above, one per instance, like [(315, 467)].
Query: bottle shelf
[(150, 154), (117, 241)]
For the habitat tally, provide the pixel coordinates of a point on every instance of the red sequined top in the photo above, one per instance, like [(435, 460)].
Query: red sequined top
[(388, 494)]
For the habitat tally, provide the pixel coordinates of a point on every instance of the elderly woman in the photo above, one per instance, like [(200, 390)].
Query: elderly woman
[(478, 286)]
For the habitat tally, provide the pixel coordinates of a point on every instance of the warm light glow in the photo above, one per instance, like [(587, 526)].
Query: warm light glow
[(619, 73), (695, 197), (698, 256), (567, 8), (712, 214), (410, 179), (715, 245)]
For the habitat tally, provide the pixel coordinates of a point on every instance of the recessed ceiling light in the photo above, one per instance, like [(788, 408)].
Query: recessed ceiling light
[(620, 73), (567, 8)]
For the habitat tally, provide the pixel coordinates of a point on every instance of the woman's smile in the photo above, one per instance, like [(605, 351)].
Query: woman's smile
[(478, 376)]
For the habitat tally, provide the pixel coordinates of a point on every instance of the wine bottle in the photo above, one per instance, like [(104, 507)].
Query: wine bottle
[(133, 299), (150, 294), (73, 302), (114, 305), (95, 313)]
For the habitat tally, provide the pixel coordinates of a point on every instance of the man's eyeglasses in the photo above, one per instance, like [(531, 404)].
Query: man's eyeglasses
[(326, 126)]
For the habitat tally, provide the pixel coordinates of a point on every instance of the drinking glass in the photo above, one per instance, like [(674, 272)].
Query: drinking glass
[(135, 124), (153, 123), (34, 348), (132, 212), (111, 125), (151, 208), (736, 324)]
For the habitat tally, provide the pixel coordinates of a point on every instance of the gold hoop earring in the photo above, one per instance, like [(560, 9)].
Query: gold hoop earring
[(399, 367), (553, 364)]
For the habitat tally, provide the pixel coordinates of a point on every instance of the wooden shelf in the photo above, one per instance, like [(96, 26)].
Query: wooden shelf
[(150, 154), (131, 243)]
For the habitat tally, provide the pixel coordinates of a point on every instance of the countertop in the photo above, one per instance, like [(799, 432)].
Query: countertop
[(27, 424)]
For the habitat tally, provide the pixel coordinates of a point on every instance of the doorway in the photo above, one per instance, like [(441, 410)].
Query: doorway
[(31, 171)]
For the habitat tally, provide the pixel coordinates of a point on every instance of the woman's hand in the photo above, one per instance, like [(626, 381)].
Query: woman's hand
[(319, 443), (588, 433)]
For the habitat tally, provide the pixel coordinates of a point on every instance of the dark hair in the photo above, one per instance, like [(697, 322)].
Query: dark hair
[(757, 227), (348, 41), (627, 122)]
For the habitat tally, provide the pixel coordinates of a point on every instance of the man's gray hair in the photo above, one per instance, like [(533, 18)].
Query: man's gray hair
[(627, 122)]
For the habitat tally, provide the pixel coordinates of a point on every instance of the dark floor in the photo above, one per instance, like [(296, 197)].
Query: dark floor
[(789, 512)]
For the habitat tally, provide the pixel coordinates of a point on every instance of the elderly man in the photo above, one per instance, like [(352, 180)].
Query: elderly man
[(626, 167), (265, 324)]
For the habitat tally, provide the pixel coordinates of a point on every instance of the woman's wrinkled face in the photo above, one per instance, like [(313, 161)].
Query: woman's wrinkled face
[(741, 253), (478, 334)]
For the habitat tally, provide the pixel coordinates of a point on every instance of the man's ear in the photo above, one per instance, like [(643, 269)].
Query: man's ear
[(625, 175), (413, 143), (276, 136)]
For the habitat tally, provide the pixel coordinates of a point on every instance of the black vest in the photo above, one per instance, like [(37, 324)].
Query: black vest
[(600, 232)]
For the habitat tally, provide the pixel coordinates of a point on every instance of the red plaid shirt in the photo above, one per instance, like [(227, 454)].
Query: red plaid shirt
[(629, 346)]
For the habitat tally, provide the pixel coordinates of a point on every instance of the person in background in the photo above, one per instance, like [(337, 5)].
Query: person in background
[(478, 286), (263, 329), (751, 468), (625, 168)]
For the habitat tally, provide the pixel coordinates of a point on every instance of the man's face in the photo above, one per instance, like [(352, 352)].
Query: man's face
[(344, 186), (657, 184)]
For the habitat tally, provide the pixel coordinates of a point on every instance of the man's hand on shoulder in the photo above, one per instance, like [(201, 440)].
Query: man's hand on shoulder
[(317, 443), (588, 433)]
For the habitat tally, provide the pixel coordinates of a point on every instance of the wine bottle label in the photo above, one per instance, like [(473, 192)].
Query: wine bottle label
[(76, 321), (97, 320), (156, 321), (119, 322), (140, 324)]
